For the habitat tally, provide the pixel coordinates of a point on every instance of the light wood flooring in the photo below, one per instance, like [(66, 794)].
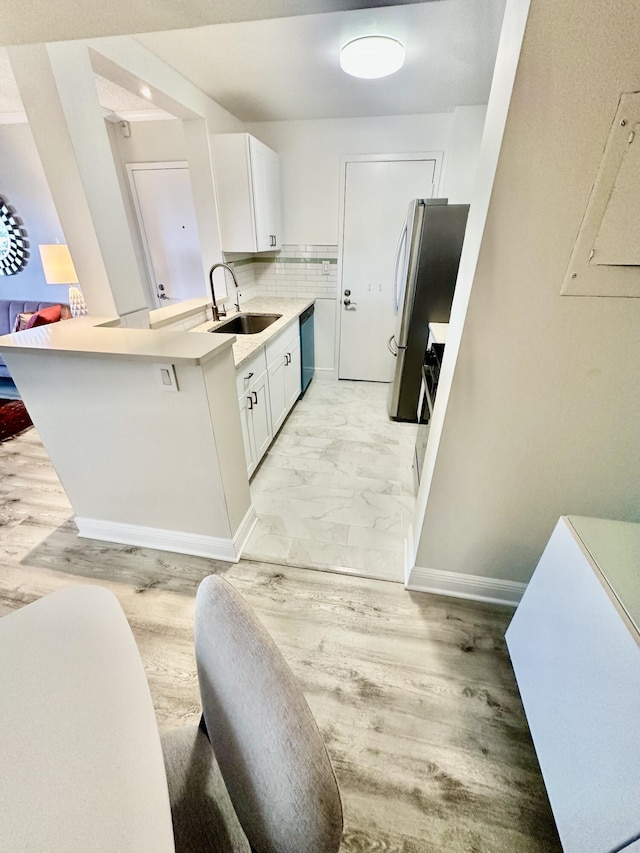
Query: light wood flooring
[(414, 694)]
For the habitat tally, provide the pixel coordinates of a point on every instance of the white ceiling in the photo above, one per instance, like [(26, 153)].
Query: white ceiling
[(112, 97), (288, 68)]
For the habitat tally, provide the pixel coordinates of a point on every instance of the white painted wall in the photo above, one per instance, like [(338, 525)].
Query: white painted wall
[(539, 414), (23, 184), (463, 153), (310, 153), (150, 141)]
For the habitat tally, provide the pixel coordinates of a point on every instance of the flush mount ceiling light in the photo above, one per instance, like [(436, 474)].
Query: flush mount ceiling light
[(372, 56)]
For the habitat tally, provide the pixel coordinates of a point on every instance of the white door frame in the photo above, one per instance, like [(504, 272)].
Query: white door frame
[(437, 156), (138, 167)]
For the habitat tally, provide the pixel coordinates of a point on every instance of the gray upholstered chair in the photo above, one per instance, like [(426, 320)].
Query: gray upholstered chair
[(255, 775)]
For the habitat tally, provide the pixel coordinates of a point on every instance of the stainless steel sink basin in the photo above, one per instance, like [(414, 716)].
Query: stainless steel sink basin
[(246, 324)]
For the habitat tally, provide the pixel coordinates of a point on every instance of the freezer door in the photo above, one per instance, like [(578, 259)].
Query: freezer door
[(414, 237), (394, 389)]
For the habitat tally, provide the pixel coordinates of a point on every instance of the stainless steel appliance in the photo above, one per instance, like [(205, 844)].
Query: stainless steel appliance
[(430, 373), (426, 269), (307, 358)]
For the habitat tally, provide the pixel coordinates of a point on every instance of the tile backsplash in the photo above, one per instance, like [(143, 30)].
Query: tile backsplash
[(297, 270)]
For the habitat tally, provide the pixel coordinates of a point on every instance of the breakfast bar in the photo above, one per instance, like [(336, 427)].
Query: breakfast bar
[(142, 429)]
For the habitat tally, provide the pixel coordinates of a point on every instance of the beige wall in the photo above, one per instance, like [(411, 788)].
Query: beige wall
[(544, 405)]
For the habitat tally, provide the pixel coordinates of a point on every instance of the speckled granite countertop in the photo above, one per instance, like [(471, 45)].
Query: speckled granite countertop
[(246, 345)]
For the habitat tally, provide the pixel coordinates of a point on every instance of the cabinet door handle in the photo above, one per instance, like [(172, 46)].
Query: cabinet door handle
[(254, 394), (248, 376), (250, 402)]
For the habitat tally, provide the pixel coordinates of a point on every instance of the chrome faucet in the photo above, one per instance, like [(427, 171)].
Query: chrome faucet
[(221, 312)]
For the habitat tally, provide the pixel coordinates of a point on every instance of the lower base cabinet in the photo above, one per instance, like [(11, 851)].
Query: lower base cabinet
[(266, 401), (255, 416)]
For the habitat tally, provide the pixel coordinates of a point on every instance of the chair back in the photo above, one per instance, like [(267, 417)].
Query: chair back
[(269, 748)]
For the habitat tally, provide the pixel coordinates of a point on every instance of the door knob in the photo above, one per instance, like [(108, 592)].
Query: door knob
[(347, 293), (347, 303)]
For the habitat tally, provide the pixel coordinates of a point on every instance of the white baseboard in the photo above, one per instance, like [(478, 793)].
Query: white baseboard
[(216, 548), (245, 530), (324, 372), (457, 585)]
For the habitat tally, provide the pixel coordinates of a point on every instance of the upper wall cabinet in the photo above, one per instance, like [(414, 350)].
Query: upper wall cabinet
[(247, 177)]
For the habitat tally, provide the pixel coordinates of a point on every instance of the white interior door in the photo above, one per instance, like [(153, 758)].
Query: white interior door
[(376, 200), (167, 220)]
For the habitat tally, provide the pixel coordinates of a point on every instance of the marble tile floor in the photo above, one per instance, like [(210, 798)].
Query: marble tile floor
[(335, 491), (414, 694)]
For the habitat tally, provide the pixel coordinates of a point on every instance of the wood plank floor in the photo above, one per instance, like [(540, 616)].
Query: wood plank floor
[(414, 694)]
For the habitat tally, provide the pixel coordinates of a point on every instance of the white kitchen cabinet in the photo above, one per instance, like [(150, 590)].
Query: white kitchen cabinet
[(246, 420), (268, 385), (277, 393), (575, 648), (292, 374), (255, 417), (247, 176), (283, 367)]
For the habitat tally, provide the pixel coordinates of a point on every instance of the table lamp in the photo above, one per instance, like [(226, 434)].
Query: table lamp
[(59, 269)]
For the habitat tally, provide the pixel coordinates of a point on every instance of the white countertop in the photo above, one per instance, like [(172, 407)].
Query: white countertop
[(615, 548), (80, 754), (438, 332), (179, 310), (246, 345), (98, 338), (88, 336)]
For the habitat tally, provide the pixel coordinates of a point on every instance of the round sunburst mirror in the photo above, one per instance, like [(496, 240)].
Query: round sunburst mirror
[(14, 246)]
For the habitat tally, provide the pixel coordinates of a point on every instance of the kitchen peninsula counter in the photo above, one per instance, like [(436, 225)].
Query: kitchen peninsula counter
[(96, 337), (245, 346), (143, 429)]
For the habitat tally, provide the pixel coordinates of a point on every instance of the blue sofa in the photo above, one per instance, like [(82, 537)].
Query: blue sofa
[(9, 310)]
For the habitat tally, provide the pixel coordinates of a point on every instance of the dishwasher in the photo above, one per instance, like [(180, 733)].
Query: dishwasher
[(307, 357)]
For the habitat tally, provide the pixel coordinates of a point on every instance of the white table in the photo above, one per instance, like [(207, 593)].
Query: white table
[(575, 648), (81, 764)]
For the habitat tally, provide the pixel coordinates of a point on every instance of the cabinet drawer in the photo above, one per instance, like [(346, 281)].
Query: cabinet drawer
[(250, 371), (283, 341)]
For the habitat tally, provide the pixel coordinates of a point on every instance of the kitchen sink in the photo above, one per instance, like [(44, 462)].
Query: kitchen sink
[(246, 324)]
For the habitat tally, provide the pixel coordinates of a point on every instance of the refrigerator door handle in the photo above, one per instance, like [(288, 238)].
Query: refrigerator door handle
[(390, 346), (402, 239)]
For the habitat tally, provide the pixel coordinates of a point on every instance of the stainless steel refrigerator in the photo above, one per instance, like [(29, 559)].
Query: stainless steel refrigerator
[(425, 274)]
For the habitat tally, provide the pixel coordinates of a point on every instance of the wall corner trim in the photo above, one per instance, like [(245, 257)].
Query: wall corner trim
[(176, 541), (472, 587), (244, 531)]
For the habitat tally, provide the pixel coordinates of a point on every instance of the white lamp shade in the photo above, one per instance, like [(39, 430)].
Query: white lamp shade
[(57, 264), (370, 57)]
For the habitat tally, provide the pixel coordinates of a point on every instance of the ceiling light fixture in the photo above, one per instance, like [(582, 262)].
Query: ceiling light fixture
[(145, 91), (372, 56)]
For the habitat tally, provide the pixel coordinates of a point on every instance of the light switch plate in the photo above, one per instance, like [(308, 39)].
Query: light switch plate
[(166, 377), (605, 260)]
